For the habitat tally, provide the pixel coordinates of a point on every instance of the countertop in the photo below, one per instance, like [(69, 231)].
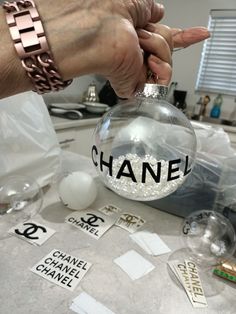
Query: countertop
[(63, 123), (157, 292), (91, 119)]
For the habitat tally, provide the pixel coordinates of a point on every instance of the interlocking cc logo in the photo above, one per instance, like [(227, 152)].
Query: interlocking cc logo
[(130, 219), (91, 220), (32, 229)]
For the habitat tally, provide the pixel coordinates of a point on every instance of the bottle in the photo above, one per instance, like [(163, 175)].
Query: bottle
[(205, 102), (216, 109), (197, 109)]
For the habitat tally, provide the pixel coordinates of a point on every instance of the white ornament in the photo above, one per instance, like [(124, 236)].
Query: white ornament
[(77, 190)]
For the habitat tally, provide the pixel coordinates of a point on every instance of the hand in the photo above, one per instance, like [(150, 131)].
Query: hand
[(160, 41), (99, 37)]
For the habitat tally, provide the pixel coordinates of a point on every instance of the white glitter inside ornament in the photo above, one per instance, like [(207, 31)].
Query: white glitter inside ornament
[(144, 148), (138, 190)]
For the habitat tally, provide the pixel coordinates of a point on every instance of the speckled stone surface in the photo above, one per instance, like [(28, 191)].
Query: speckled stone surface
[(21, 291)]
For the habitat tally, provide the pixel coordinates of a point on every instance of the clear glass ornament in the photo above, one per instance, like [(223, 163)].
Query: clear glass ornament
[(209, 237), (144, 148), (21, 199)]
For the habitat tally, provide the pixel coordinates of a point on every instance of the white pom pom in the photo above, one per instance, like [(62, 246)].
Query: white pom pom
[(77, 190)]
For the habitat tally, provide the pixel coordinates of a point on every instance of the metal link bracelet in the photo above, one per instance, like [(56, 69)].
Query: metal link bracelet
[(31, 44)]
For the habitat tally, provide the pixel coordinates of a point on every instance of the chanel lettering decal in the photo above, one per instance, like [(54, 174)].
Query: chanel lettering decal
[(126, 169), (62, 269)]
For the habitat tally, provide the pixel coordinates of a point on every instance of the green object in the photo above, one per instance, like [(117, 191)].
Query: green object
[(224, 275), (216, 109)]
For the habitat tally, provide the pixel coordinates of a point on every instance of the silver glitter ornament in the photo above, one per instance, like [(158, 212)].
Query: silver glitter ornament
[(144, 148)]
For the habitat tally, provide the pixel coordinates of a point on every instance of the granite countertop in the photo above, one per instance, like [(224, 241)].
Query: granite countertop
[(157, 292)]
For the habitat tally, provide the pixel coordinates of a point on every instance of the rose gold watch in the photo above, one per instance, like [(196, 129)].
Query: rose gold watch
[(31, 44)]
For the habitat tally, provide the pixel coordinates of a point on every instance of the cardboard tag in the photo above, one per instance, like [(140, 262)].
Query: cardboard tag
[(62, 269), (110, 210), (32, 232), (92, 222), (130, 222)]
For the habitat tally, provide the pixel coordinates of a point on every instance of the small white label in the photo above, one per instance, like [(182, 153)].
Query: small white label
[(134, 264), (91, 222), (109, 210), (130, 222), (84, 303), (62, 269), (150, 242), (32, 232)]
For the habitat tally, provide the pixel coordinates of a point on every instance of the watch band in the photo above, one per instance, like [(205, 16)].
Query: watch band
[(31, 44)]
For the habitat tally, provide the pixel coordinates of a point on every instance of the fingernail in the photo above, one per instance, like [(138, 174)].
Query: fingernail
[(143, 34), (161, 8)]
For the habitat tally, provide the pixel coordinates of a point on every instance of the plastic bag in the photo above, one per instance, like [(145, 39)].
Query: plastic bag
[(28, 142), (205, 187)]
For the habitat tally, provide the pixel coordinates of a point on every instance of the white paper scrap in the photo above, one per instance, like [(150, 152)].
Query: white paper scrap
[(85, 304), (150, 242), (134, 264)]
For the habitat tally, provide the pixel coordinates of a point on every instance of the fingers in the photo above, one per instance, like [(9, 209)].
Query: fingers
[(155, 44), (161, 71), (143, 12), (157, 12), (159, 47), (189, 36), (163, 30)]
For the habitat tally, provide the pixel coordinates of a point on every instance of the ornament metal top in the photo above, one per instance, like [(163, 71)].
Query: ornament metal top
[(144, 148)]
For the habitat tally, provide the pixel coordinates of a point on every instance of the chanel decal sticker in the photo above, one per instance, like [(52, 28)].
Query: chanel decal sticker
[(187, 274), (110, 210), (130, 222), (32, 232), (62, 269), (91, 222)]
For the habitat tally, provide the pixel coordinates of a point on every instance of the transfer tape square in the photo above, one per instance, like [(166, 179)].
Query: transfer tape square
[(134, 264), (150, 242), (85, 304)]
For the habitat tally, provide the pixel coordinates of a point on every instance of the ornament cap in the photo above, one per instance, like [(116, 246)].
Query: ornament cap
[(155, 91)]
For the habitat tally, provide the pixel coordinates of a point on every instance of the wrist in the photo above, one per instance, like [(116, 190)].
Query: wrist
[(13, 77)]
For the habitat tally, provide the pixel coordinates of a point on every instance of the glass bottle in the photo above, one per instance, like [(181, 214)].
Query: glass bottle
[(216, 109)]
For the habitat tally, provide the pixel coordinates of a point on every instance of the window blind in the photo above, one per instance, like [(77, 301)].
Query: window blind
[(217, 71)]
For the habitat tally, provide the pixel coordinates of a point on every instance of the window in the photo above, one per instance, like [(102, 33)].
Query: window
[(217, 72)]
